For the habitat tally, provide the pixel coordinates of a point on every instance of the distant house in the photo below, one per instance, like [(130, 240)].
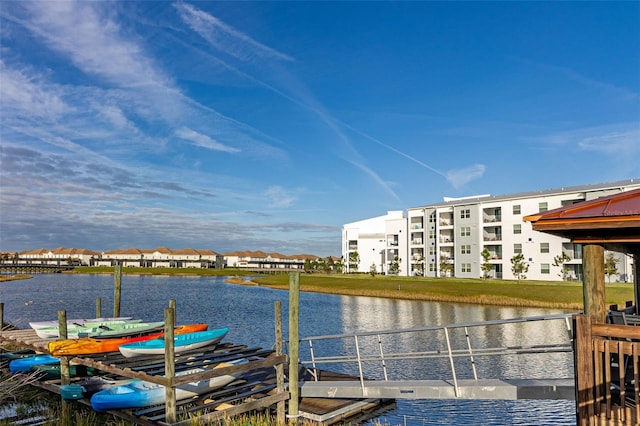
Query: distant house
[(58, 256), (162, 257), (262, 260)]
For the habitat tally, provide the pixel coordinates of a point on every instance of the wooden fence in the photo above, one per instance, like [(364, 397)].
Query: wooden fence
[(607, 373)]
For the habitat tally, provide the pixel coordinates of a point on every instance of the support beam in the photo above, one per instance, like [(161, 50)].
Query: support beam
[(593, 283)]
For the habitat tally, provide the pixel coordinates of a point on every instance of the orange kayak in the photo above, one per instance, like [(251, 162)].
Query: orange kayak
[(96, 345)]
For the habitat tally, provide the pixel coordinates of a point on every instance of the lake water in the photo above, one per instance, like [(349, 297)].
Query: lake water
[(249, 313)]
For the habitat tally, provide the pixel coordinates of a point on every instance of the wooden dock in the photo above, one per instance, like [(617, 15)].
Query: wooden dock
[(255, 390)]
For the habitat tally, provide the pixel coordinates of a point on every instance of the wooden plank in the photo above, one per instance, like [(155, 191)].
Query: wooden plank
[(583, 369), (235, 410)]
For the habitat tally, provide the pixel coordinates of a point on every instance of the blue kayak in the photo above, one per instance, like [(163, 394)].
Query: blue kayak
[(182, 342), (23, 365), (141, 394)]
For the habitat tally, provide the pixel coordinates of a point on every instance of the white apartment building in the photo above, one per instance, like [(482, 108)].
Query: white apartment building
[(448, 238), (377, 242)]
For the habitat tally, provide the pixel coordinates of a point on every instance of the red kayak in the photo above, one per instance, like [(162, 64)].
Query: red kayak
[(95, 345)]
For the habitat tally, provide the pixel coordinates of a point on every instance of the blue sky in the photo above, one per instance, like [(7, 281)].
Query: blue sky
[(269, 125)]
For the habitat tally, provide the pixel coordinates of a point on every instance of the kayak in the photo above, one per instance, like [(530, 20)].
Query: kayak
[(40, 324), (182, 342), (141, 394), (52, 371), (86, 329), (96, 345), (95, 384), (23, 365)]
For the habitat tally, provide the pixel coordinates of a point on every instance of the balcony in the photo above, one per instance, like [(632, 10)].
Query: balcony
[(491, 218)]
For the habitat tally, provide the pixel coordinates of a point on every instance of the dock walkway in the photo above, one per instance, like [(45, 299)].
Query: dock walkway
[(255, 390)]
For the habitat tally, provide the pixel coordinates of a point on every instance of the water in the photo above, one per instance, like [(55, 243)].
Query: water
[(249, 313)]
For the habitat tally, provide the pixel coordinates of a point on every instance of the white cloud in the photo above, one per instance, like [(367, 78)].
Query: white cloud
[(613, 143), (203, 141), (460, 177), (279, 197), (225, 38), (93, 42), (27, 95)]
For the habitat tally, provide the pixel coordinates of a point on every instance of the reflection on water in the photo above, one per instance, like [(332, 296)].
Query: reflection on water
[(248, 312)]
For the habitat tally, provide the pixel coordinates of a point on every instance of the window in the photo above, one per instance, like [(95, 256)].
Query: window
[(432, 267), (432, 251), (465, 214), (517, 248), (466, 267), (465, 231), (543, 207), (517, 228), (544, 247), (432, 235), (544, 268), (432, 218), (465, 249), (516, 209)]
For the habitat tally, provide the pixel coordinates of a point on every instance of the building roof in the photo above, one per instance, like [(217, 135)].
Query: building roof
[(610, 219), (540, 193)]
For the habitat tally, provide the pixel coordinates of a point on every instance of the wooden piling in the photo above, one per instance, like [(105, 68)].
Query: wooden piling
[(281, 405), (117, 289), (1, 315), (98, 307), (294, 345), (65, 375), (584, 369), (593, 282), (169, 365)]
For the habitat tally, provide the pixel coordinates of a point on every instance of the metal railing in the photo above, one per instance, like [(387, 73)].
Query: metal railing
[(472, 353)]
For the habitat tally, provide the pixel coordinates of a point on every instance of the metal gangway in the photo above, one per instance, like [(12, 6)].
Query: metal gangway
[(462, 347)]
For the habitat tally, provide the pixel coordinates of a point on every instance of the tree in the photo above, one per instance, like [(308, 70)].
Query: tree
[(339, 265), (354, 261), (420, 266), (610, 266), (446, 267), (519, 267), (560, 260), (329, 265), (394, 266), (486, 266), (307, 265), (372, 270)]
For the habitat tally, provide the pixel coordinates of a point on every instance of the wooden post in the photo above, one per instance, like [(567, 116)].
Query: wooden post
[(169, 365), (117, 289), (65, 379), (584, 374), (1, 315), (294, 345), (172, 306), (98, 307), (636, 280), (593, 284), (280, 406)]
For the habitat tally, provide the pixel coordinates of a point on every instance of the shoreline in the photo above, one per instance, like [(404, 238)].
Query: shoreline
[(446, 290)]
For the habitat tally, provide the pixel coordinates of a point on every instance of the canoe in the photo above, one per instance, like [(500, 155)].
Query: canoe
[(95, 384), (40, 324), (90, 329), (96, 345), (142, 394), (52, 371), (23, 365), (182, 343)]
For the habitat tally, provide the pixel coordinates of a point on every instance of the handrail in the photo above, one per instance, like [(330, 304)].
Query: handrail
[(472, 353)]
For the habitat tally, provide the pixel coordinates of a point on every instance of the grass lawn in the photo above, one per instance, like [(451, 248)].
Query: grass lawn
[(543, 294)]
